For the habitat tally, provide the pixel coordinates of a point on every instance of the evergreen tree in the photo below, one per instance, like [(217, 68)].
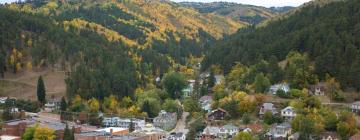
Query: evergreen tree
[(67, 133), (146, 108), (212, 80), (63, 104), (131, 126), (41, 95), (262, 83)]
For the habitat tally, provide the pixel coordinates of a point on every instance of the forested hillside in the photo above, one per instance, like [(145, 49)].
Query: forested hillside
[(314, 43), (243, 13), (106, 47)]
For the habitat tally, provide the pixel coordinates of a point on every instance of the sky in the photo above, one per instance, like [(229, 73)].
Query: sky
[(265, 3)]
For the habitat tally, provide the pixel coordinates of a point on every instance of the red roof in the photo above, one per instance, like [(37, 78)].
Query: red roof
[(255, 127)]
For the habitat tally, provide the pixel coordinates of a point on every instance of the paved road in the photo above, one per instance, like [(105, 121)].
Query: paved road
[(181, 124)]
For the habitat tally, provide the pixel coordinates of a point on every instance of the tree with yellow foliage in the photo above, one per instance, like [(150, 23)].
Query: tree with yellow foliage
[(110, 104), (94, 105), (15, 60), (44, 133)]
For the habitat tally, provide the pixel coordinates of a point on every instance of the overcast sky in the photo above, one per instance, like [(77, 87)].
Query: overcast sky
[(266, 3)]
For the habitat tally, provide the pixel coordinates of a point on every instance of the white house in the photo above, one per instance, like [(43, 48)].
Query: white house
[(283, 86), (288, 113), (228, 131), (52, 105), (122, 123), (280, 131), (355, 107)]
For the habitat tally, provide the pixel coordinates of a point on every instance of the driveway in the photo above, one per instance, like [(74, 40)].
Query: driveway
[(181, 124)]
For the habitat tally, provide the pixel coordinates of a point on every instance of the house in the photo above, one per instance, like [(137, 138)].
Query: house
[(110, 122), (294, 136), (288, 113), (267, 107), (318, 89), (355, 137), (218, 114), (205, 102), (6, 137), (355, 107), (122, 123), (165, 120), (3, 100), (283, 86), (227, 131), (329, 136), (279, 131), (52, 105), (210, 132), (219, 79)]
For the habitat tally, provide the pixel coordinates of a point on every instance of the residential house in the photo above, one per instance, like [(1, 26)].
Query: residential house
[(267, 107), (294, 136), (219, 79), (210, 132), (355, 137), (189, 89), (319, 89), (52, 105), (283, 86), (355, 107), (3, 100), (205, 102), (280, 131), (329, 136), (218, 114), (288, 113), (165, 120), (228, 131)]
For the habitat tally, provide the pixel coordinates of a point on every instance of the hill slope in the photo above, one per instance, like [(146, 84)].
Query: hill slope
[(243, 13), (328, 34)]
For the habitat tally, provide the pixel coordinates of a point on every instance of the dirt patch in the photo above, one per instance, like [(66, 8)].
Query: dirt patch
[(24, 84)]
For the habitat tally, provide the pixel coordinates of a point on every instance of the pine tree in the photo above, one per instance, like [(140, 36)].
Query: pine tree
[(63, 105), (67, 133), (41, 95), (131, 126), (212, 80), (146, 108)]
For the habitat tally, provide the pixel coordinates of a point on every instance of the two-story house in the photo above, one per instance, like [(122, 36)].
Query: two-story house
[(283, 86), (288, 113), (205, 102), (319, 89), (280, 131), (218, 114)]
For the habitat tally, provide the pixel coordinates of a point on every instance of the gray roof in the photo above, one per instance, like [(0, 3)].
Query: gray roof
[(230, 126), (268, 106)]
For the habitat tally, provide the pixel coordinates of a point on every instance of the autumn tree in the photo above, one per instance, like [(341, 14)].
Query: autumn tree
[(44, 133), (244, 136), (41, 93)]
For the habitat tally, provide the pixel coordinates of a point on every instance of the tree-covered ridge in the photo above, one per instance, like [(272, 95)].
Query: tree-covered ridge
[(328, 36), (243, 13)]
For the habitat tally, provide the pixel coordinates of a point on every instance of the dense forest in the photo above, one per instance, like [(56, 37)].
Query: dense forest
[(311, 44), (248, 14), (106, 47)]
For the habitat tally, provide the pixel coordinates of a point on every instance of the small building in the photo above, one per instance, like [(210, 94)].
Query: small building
[(114, 130), (149, 132), (189, 89), (228, 131), (319, 89), (218, 114), (267, 107), (210, 132), (329, 136), (165, 120), (288, 113), (283, 86), (355, 137), (355, 107), (52, 105), (279, 131), (122, 122), (219, 79), (205, 102)]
